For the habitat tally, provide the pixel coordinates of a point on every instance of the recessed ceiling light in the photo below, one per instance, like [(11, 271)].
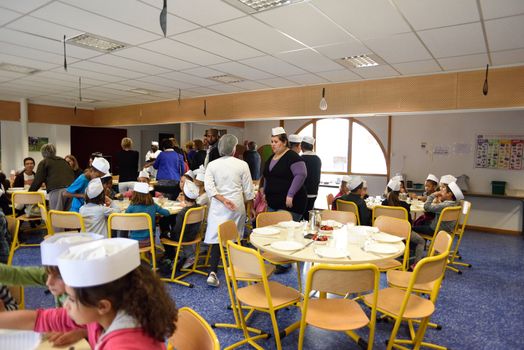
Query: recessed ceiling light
[(227, 79), (361, 61), (89, 100), (17, 68), (142, 91), (252, 6), (96, 42)]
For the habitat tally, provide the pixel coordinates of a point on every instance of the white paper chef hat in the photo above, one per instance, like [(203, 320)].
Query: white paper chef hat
[(99, 262), (54, 245), (346, 178), (154, 143), (295, 138), (354, 182), (200, 176), (432, 177), (141, 187), (447, 179), (191, 190), (398, 177), (394, 184), (277, 131), (100, 164), (190, 173), (456, 191), (143, 173), (94, 188), (309, 139)]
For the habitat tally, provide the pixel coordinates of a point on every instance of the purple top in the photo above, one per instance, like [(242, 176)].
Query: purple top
[(299, 176)]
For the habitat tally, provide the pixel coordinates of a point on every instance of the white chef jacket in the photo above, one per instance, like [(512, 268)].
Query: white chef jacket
[(231, 178), (152, 155)]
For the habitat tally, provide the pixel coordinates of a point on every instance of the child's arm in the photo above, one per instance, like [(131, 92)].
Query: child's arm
[(431, 207), (21, 319), (162, 211), (22, 275)]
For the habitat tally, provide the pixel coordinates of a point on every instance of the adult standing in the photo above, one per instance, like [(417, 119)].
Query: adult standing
[(283, 177), (170, 166), (151, 156), (253, 160), (127, 165), (314, 168), (73, 162), (212, 141), (57, 175), (200, 155), (27, 176), (228, 185)]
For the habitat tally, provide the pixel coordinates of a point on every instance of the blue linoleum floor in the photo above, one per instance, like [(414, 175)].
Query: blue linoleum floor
[(481, 309)]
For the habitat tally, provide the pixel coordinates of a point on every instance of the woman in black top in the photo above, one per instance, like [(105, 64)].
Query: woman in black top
[(284, 176), (127, 166), (71, 159)]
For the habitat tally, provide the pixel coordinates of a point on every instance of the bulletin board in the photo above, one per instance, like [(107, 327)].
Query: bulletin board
[(500, 152)]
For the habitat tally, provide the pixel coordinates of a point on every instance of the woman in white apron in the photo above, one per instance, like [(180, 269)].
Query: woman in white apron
[(228, 185)]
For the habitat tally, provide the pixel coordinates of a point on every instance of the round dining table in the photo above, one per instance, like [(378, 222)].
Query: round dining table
[(354, 252)]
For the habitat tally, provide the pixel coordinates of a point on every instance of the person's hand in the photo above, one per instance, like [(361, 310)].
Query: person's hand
[(229, 204), (289, 202), (68, 338)]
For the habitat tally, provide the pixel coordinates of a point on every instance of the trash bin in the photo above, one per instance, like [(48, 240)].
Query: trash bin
[(498, 187)]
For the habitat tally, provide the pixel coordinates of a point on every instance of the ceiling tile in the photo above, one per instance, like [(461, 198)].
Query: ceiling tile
[(203, 12), (227, 88), (417, 67), (184, 52), (203, 72), (23, 6), (339, 75), (501, 8), (464, 62), (218, 44), (273, 65), (376, 72), (105, 69), (503, 33), (309, 60), (76, 72), (508, 57), (170, 83), (190, 79), (117, 61), (7, 16), (307, 79), (424, 14), (304, 23), (150, 57), (454, 41), (242, 71), (28, 62), (85, 21), (345, 49), (364, 19), (204, 91), (250, 85), (21, 51), (278, 82), (388, 48), (256, 34)]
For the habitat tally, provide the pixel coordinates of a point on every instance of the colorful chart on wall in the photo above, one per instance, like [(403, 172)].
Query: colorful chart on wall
[(500, 152)]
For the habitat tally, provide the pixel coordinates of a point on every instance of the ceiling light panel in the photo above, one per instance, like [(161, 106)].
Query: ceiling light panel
[(227, 79), (17, 68), (94, 42), (253, 6)]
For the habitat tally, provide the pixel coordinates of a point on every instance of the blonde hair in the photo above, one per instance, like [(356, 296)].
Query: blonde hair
[(190, 145), (138, 198), (126, 142)]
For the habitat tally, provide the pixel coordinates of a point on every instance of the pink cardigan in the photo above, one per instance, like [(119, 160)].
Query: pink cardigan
[(57, 320)]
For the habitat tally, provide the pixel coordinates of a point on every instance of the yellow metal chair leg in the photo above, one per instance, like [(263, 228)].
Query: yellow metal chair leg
[(15, 244)]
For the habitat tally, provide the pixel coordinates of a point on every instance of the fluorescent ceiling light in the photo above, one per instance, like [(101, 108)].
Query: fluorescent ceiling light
[(17, 69), (89, 100), (361, 61), (142, 91), (252, 6), (227, 79), (96, 42)]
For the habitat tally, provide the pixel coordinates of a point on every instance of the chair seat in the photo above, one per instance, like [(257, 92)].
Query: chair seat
[(425, 236), (145, 249), (242, 275), (400, 279), (255, 295), (388, 264), (390, 299), (275, 259), (24, 217), (175, 243), (336, 314)]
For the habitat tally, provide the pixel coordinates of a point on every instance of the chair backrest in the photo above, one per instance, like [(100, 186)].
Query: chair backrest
[(193, 332), (227, 231), (129, 222), (25, 198), (65, 219), (386, 210), (464, 217), (442, 242), (343, 279), (273, 218), (195, 215), (17, 292), (330, 198), (393, 226), (449, 214), (344, 217), (348, 206), (247, 260)]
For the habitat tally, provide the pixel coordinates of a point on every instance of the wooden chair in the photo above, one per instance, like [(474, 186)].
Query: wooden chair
[(23, 198), (344, 217), (131, 222), (405, 304), (348, 206), (265, 296), (330, 198), (386, 210), (227, 232), (270, 219), (459, 233), (338, 314), (68, 220), (17, 292), (192, 216), (192, 332), (400, 228), (448, 214)]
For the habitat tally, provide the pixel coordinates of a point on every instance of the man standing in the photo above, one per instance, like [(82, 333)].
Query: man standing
[(212, 140), (294, 143), (313, 166), (151, 156), (253, 159)]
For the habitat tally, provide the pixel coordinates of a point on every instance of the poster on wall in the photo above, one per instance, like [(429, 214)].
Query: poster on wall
[(35, 143), (500, 152)]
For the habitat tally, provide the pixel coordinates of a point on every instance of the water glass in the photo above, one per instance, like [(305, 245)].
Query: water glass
[(290, 233)]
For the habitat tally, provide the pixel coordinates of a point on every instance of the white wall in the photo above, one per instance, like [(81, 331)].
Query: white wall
[(12, 157)]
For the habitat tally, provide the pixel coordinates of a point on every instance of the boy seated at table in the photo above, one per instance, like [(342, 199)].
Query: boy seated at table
[(343, 189), (355, 185), (430, 186)]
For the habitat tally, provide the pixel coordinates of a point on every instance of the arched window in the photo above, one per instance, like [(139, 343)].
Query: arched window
[(345, 146)]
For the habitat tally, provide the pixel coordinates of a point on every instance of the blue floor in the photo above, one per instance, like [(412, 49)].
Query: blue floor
[(480, 309)]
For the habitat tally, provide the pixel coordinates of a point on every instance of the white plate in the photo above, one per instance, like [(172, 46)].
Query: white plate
[(330, 252), (266, 231), (287, 245), (289, 224), (386, 238), (382, 248)]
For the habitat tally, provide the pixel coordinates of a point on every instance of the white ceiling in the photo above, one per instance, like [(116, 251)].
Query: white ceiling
[(286, 47)]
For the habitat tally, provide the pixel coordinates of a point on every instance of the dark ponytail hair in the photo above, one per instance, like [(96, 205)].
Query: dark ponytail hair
[(392, 198)]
